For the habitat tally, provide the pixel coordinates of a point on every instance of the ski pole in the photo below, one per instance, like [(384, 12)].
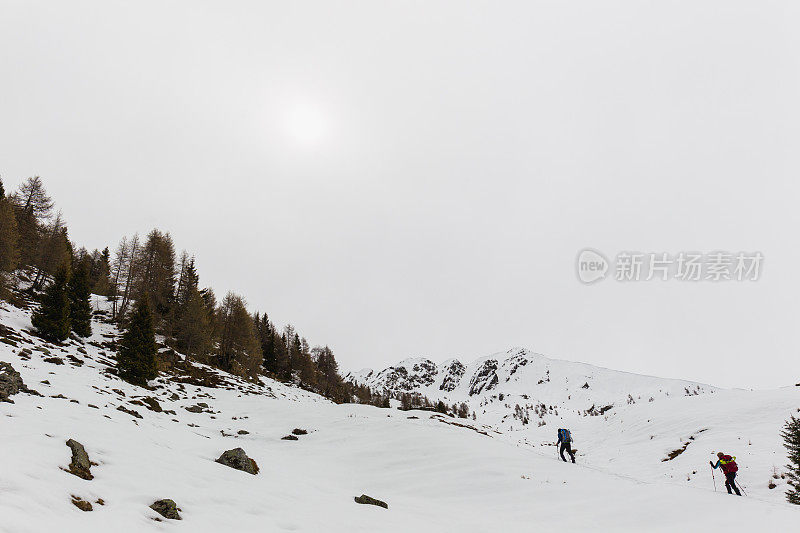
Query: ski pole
[(714, 478), (740, 487)]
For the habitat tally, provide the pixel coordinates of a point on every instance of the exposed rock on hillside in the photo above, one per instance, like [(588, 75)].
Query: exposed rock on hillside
[(366, 500), (238, 459), (166, 508), (80, 464)]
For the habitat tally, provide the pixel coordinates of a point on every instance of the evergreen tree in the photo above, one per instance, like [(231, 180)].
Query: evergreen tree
[(266, 336), (791, 439), (80, 308), (191, 323), (51, 319), (136, 355)]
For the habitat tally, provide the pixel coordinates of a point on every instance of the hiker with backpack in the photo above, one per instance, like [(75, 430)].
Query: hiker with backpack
[(565, 443), (729, 468)]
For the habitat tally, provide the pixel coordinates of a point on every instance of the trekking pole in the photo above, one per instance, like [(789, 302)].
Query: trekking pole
[(740, 487), (714, 478)]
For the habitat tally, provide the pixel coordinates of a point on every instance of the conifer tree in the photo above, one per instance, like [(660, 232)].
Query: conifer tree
[(266, 336), (136, 355), (52, 319), (191, 322), (791, 439), (80, 308)]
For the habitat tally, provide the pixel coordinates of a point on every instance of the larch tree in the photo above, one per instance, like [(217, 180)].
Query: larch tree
[(118, 268), (9, 239), (157, 275), (33, 207), (99, 272), (130, 273), (53, 250), (239, 351)]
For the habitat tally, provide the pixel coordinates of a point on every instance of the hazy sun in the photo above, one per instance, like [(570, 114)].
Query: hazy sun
[(305, 124)]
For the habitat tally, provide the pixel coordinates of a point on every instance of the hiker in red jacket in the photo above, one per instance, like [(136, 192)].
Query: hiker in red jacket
[(729, 468)]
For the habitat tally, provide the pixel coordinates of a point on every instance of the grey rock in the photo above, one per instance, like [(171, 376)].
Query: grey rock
[(166, 508), (366, 500), (80, 465), (238, 459), (10, 382)]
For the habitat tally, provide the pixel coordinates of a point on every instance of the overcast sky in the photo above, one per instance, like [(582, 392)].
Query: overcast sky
[(405, 179)]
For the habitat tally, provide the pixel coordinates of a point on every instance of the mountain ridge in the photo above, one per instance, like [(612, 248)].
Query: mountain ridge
[(503, 388)]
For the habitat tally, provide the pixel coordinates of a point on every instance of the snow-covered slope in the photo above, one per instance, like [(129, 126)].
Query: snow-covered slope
[(512, 389), (435, 475)]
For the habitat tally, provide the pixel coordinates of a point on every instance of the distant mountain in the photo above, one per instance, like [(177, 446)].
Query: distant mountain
[(512, 389)]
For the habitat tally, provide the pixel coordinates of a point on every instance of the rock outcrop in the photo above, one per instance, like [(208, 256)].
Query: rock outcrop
[(10, 382)]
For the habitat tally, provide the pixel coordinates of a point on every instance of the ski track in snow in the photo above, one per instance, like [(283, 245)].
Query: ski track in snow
[(435, 477)]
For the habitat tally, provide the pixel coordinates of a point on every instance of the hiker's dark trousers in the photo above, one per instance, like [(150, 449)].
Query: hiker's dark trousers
[(730, 483), (568, 447)]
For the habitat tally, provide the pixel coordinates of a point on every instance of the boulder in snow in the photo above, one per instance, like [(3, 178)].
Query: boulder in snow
[(81, 504), (238, 459), (10, 382), (166, 508), (366, 500), (80, 465)]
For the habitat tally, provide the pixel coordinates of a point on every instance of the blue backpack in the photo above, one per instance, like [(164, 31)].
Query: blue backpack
[(564, 435)]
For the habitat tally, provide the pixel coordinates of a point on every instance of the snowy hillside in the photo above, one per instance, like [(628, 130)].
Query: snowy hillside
[(512, 389), (436, 473)]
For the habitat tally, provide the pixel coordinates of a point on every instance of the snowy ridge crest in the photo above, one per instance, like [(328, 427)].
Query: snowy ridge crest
[(504, 388)]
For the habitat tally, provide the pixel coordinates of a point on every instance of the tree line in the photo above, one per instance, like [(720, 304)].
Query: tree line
[(151, 290)]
